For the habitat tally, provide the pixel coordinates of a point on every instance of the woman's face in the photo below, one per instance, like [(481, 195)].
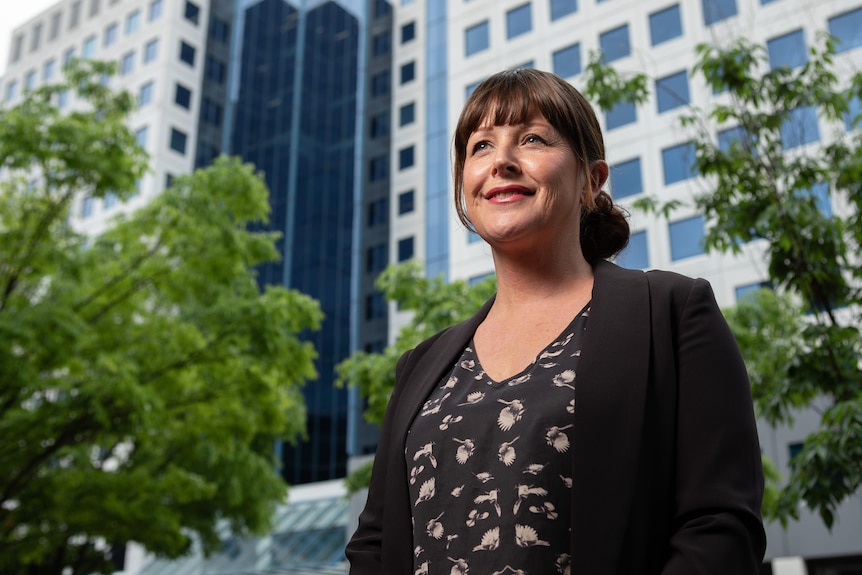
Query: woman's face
[(522, 184)]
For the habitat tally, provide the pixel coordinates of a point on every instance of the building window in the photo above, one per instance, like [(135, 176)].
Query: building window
[(473, 237), (133, 22), (11, 89), (800, 127), (155, 11), (672, 91), (68, 56), (476, 38), (678, 163), (111, 32), (151, 50), (192, 12), (764, 2), (94, 8), (215, 70), (405, 249), (145, 94), (110, 200), (407, 114), (405, 202), (788, 50), (88, 206), (381, 44), (378, 212), (742, 291), (378, 168), (626, 179), (178, 141), (375, 306), (686, 238), (127, 63), (74, 15), (469, 89), (635, 256), (408, 72), (560, 8), (408, 32), (518, 21), (183, 97), (48, 69), (141, 137), (853, 116), (847, 28), (727, 137), (381, 8), (187, 53), (219, 30), (56, 21), (621, 114), (375, 258), (717, 10), (30, 81), (89, 47), (665, 25), (819, 192), (405, 157), (62, 99), (211, 112), (567, 61), (380, 84), (380, 125), (35, 36), (614, 44)]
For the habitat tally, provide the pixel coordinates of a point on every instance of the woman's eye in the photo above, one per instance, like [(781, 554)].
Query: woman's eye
[(479, 146), (534, 139)]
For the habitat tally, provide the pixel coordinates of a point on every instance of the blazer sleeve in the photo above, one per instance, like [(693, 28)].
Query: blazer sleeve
[(365, 548), (719, 479)]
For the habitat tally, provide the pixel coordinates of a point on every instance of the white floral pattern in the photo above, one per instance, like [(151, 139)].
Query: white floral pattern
[(490, 472)]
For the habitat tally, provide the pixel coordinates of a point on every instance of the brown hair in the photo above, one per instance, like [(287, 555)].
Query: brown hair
[(512, 97)]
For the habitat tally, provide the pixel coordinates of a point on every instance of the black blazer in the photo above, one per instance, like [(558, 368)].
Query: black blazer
[(666, 462)]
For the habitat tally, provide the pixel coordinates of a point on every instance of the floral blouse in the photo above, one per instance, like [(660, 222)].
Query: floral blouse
[(490, 469)]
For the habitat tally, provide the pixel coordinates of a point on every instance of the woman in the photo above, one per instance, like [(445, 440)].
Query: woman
[(588, 419)]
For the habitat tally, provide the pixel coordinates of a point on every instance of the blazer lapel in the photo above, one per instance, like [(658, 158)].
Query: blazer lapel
[(609, 409)]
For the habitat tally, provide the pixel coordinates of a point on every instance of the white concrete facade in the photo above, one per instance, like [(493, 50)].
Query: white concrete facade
[(145, 37)]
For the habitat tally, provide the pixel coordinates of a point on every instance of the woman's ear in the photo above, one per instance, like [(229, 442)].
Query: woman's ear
[(598, 177)]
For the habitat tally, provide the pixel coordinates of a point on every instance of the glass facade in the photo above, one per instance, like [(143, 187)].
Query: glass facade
[(621, 114), (788, 50), (672, 91), (665, 25), (717, 10), (635, 255), (678, 163), (567, 61), (615, 44), (686, 238), (308, 62), (626, 179)]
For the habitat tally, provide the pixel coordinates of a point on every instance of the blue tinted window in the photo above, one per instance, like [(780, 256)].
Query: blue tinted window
[(183, 97), (48, 69), (743, 290), (407, 114), (145, 96), (110, 34), (378, 212), (686, 238), (380, 84), (476, 38), (853, 116), (408, 72), (678, 163), (469, 89), (847, 28), (800, 127), (665, 25), (408, 32), (375, 258), (155, 9), (89, 47), (405, 249), (141, 137), (127, 63), (717, 10), (518, 21), (672, 91), (375, 306), (151, 50), (406, 157), (380, 125), (626, 179), (178, 141), (614, 44), (133, 21), (820, 193), (405, 202), (560, 8), (620, 115), (380, 44), (787, 50), (767, 1), (88, 205), (10, 90), (727, 137), (187, 53), (378, 168), (635, 256), (567, 61)]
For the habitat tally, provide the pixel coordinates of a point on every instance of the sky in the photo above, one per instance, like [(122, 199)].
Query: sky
[(12, 14)]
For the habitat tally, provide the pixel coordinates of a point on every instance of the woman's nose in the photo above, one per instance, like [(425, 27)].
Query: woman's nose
[(505, 161)]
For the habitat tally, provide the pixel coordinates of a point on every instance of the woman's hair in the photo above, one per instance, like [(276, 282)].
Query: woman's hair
[(512, 97)]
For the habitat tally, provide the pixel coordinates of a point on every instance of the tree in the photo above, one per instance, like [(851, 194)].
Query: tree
[(435, 305), (763, 184), (145, 377)]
